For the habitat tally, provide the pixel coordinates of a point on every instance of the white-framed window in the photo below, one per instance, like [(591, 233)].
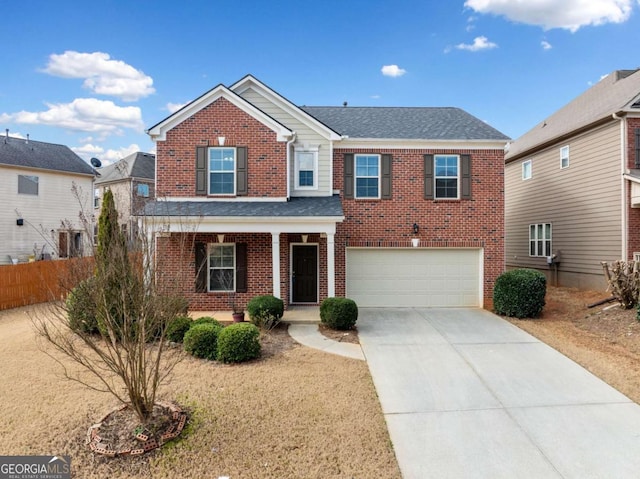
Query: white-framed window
[(636, 256), (96, 198), (527, 170), (222, 267), (143, 190), (367, 176), (28, 185), (306, 168), (222, 171), (564, 157), (540, 239), (446, 175)]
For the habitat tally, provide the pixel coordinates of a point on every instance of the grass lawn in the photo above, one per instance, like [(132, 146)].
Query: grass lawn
[(296, 412)]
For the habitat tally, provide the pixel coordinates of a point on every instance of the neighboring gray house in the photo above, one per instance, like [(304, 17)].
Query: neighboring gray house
[(38, 209), (573, 185), (132, 182)]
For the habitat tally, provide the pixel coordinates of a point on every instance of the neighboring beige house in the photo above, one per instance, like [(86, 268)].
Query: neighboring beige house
[(573, 186), (131, 181), (39, 212)]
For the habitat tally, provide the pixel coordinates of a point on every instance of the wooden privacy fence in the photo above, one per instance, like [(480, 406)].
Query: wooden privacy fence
[(30, 283)]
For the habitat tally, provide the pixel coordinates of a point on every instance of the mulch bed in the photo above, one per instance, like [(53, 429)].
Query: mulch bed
[(350, 336)]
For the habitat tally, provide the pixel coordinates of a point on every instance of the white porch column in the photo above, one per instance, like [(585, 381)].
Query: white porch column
[(331, 266), (275, 263)]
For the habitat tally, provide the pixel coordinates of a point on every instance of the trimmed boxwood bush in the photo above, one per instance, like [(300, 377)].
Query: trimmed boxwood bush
[(81, 308), (339, 313), (238, 342), (202, 340), (206, 320), (520, 293), (177, 328), (265, 311)]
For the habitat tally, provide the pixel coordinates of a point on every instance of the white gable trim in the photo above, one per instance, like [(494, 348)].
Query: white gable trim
[(159, 131), (284, 104)]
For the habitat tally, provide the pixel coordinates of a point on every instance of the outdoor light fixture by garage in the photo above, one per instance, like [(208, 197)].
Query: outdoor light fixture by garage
[(20, 221), (416, 228)]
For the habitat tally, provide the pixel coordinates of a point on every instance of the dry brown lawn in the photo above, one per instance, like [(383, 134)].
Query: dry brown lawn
[(296, 413)]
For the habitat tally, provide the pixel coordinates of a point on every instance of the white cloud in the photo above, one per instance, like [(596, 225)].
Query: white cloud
[(102, 75), (568, 14), (479, 43), (107, 156), (392, 71), (174, 107), (546, 45), (100, 117)]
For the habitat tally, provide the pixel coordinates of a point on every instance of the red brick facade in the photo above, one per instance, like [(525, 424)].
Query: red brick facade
[(175, 157), (478, 222), (633, 213)]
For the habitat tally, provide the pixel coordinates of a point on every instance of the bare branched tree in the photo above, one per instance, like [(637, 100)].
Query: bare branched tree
[(112, 324)]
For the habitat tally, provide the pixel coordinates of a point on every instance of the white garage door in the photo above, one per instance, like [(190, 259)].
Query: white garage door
[(420, 277)]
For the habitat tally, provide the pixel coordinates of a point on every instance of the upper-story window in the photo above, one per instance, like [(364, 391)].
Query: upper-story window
[(306, 168), (526, 170), (28, 185), (96, 198), (447, 170), (564, 157), (222, 171), (143, 190), (367, 177)]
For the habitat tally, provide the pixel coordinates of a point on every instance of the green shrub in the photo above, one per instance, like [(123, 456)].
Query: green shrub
[(206, 320), (339, 313), (520, 293), (177, 328), (202, 340), (265, 311), (238, 342), (81, 308)]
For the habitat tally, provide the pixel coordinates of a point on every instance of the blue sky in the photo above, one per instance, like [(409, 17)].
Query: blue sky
[(95, 75)]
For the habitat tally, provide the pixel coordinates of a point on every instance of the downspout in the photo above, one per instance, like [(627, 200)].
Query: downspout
[(289, 144), (624, 189)]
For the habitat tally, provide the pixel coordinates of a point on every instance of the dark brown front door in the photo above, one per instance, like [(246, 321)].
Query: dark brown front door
[(304, 274)]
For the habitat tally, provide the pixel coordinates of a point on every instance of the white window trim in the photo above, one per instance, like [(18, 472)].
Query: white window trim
[(209, 268), (537, 240), (314, 151), (35, 179), (435, 178), (355, 176), (562, 157), (530, 163), (636, 256), (235, 170)]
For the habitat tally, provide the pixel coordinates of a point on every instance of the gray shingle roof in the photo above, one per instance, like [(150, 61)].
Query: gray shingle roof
[(136, 165), (296, 206), (415, 123), (41, 155), (610, 95)]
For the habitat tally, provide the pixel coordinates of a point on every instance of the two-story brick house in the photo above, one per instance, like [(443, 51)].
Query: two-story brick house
[(388, 206)]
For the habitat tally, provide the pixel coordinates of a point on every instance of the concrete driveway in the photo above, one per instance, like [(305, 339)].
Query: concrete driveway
[(468, 395)]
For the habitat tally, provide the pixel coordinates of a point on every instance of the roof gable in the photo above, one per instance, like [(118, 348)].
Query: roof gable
[(274, 97), (618, 92), (158, 132), (45, 156), (137, 165)]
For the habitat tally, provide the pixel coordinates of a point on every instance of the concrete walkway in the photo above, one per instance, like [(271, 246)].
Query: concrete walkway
[(309, 335), (468, 395)]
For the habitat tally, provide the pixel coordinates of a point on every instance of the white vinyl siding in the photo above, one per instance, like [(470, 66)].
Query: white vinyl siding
[(583, 204), (414, 277), (304, 136)]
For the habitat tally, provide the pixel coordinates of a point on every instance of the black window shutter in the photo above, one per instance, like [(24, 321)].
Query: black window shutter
[(242, 187), (348, 175), (428, 177), (465, 177), (637, 165), (241, 267), (201, 267), (201, 170), (386, 177)]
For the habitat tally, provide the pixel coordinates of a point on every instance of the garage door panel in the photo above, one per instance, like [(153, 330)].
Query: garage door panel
[(423, 277)]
